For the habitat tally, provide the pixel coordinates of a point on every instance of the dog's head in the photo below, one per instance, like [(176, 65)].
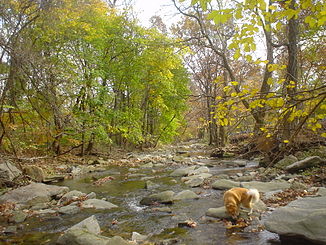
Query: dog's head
[(232, 209)]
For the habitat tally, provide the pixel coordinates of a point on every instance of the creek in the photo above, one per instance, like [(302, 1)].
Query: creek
[(127, 188)]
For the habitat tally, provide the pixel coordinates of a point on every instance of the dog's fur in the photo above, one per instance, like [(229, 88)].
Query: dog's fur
[(237, 196)]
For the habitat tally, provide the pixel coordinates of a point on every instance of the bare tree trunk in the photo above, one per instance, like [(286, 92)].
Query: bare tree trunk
[(291, 79)]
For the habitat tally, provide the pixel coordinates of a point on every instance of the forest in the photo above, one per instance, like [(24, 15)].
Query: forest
[(81, 74), (220, 93)]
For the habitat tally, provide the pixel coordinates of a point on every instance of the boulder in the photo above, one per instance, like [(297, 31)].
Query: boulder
[(33, 193), (305, 163), (224, 184), (98, 204), (186, 194), (84, 237), (162, 197), (199, 171), (35, 172), (90, 224), (219, 213), (8, 171), (182, 171), (70, 209), (304, 217), (195, 182), (70, 196), (202, 175), (286, 161)]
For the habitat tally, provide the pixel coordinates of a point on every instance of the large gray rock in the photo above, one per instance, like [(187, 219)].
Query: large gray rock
[(195, 182), (98, 204), (304, 217), (8, 171), (201, 175), (162, 197), (223, 184), (286, 161), (200, 170), (186, 194), (84, 237), (182, 171), (70, 196), (87, 233), (33, 193), (90, 224), (70, 209), (305, 163)]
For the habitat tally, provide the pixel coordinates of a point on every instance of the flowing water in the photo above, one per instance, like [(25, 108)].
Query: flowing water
[(126, 190)]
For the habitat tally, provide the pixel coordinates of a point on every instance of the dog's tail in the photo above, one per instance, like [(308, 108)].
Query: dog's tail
[(254, 195)]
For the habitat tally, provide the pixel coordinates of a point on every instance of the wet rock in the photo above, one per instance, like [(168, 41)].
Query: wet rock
[(90, 224), (202, 175), (18, 216), (182, 171), (195, 182), (33, 193), (70, 209), (162, 197), (198, 171), (293, 219), (71, 196), (219, 213), (186, 194), (286, 161), (138, 237), (306, 163), (224, 184), (8, 171), (35, 172), (98, 204), (84, 237)]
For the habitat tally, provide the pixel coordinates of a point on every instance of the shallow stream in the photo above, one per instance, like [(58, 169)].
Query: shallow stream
[(126, 190)]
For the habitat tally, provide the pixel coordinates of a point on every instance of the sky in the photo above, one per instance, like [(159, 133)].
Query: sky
[(145, 9)]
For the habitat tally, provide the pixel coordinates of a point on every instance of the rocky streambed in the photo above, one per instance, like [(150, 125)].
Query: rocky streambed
[(171, 196)]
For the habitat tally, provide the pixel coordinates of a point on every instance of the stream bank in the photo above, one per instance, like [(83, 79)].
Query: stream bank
[(168, 196)]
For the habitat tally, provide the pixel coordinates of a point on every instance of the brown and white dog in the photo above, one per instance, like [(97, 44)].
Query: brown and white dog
[(237, 196)]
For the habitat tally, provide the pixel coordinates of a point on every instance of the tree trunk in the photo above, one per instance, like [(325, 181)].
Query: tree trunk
[(291, 79)]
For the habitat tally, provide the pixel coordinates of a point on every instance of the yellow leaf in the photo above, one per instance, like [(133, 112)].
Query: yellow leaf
[(286, 141)]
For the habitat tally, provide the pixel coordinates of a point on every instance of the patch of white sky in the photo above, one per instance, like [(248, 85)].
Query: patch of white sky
[(145, 9)]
